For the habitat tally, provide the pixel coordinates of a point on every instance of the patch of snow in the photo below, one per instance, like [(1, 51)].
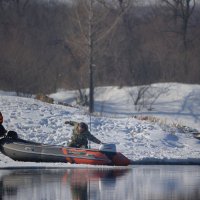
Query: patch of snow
[(160, 140)]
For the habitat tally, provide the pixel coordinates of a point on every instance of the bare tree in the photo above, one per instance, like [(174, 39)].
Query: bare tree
[(93, 29), (182, 9)]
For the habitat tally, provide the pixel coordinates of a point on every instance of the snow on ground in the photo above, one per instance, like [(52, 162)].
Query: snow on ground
[(167, 137)]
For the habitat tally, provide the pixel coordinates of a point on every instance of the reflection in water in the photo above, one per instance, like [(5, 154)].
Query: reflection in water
[(51, 184), (138, 183), (167, 182), (87, 183)]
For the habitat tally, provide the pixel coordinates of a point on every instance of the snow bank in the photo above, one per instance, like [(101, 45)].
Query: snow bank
[(143, 141)]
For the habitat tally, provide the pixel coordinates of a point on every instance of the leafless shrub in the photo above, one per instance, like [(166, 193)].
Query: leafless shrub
[(146, 96), (82, 98)]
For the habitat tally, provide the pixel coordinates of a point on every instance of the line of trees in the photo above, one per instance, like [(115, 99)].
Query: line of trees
[(46, 45)]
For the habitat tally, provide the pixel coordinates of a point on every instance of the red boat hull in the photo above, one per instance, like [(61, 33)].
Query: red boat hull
[(95, 157)]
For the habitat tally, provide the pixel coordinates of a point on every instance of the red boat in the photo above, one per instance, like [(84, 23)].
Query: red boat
[(23, 150)]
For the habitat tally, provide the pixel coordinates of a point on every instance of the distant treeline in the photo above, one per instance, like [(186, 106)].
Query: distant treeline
[(42, 44)]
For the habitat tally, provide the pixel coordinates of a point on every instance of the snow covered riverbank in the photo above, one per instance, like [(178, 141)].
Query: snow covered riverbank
[(163, 138)]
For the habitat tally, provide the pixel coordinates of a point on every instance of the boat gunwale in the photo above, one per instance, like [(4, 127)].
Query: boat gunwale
[(50, 146)]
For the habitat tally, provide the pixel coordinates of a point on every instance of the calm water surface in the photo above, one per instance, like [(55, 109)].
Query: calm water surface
[(136, 183)]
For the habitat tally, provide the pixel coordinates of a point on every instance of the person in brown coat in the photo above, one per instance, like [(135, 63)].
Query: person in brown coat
[(81, 135)]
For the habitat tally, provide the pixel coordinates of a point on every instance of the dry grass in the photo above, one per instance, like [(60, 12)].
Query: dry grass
[(173, 127), (44, 98)]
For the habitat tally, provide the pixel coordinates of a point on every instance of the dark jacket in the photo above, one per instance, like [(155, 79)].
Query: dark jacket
[(80, 140), (3, 131)]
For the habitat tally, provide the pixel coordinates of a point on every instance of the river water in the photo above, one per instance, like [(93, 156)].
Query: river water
[(141, 182)]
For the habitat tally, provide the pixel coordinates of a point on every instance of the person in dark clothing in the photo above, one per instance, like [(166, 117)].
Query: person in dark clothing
[(3, 131), (81, 135)]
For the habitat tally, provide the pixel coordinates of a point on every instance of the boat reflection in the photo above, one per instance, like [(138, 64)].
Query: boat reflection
[(76, 184), (84, 182)]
